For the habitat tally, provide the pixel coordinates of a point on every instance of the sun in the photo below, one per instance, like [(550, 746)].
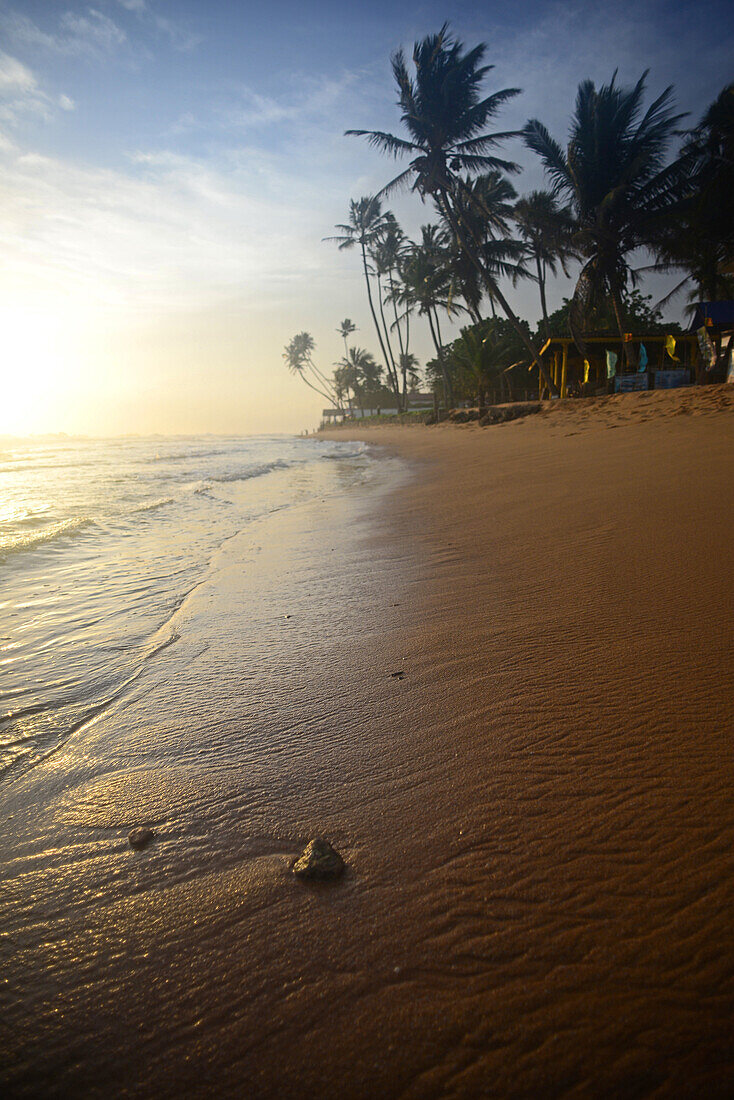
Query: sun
[(33, 368)]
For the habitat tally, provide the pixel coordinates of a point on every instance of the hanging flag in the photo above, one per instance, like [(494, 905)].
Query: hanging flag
[(670, 348), (707, 349), (587, 368), (611, 363), (643, 358)]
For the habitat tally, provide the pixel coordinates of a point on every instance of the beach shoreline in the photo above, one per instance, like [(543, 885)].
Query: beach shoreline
[(514, 722)]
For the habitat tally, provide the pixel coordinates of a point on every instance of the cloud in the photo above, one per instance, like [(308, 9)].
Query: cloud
[(92, 34), (304, 98), (21, 94), (171, 233), (179, 35), (15, 75)]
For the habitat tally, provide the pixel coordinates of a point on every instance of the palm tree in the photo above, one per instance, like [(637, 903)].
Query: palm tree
[(700, 239), (387, 254), (547, 229), (346, 328), (298, 355), (410, 372), (613, 172), (485, 352), (446, 120), (426, 287), (358, 372), (366, 222), (484, 208), (342, 387)]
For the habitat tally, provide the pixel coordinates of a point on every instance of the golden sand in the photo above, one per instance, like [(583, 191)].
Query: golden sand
[(570, 691), (506, 700)]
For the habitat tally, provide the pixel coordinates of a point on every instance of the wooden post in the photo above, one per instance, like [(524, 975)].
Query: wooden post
[(564, 369)]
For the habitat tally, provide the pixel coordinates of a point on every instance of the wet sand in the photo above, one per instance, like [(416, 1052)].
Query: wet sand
[(537, 815)]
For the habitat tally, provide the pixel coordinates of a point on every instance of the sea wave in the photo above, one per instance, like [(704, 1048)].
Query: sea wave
[(153, 505), (250, 471), (359, 451), (179, 456), (28, 464), (13, 544)]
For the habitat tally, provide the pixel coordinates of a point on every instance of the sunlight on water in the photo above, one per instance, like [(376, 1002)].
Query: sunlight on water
[(100, 542)]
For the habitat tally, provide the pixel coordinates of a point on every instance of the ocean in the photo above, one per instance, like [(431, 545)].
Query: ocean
[(101, 543)]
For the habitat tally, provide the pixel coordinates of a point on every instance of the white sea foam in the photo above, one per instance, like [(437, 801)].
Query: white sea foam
[(103, 540), (29, 540)]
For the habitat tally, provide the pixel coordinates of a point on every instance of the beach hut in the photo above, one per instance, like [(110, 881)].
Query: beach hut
[(654, 360), (713, 326)]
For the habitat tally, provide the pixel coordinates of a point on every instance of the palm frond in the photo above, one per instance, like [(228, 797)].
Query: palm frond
[(386, 143), (477, 163), (667, 298), (539, 141), (486, 141), (399, 183)]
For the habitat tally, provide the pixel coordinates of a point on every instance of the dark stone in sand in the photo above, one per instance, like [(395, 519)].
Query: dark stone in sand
[(463, 416), (319, 861), (140, 838), (500, 414)]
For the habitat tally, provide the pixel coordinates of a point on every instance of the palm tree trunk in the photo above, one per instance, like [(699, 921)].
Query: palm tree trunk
[(494, 290), (327, 396), (387, 342), (447, 391), (541, 287), (393, 381), (321, 377), (395, 312), (403, 351), (617, 307)]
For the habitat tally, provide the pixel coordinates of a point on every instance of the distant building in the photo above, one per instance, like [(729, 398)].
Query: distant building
[(416, 401)]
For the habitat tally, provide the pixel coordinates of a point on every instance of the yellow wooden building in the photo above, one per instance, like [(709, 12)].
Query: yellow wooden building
[(573, 374)]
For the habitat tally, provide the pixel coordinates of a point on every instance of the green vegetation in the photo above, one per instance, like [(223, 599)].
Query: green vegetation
[(617, 193)]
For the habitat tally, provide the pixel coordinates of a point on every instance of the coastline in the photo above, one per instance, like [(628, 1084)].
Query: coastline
[(536, 816)]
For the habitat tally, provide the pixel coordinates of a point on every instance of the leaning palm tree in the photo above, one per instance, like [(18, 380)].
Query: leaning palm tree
[(366, 223), (547, 230), (446, 119), (615, 175), (298, 355)]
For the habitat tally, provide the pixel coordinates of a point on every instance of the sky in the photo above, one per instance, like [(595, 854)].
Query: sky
[(171, 167)]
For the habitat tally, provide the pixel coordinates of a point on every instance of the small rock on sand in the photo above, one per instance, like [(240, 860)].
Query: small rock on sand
[(140, 838), (319, 861)]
